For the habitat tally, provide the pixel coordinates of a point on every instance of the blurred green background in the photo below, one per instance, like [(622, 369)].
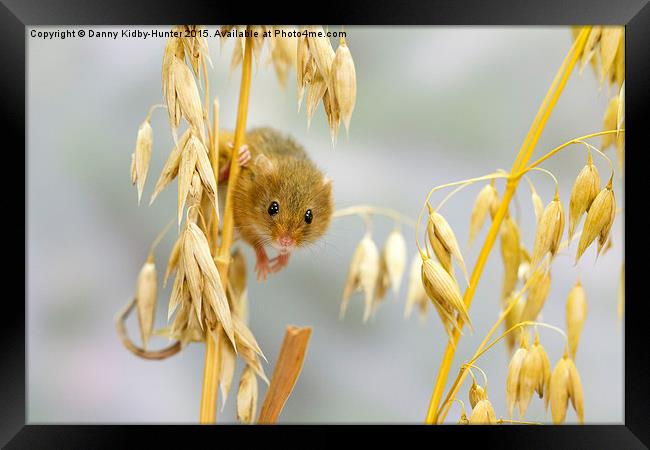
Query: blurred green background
[(434, 104)]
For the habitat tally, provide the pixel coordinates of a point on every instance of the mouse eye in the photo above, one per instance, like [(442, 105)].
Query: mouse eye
[(274, 208), (309, 216)]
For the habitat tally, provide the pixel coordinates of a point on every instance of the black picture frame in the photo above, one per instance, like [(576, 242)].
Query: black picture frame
[(15, 15)]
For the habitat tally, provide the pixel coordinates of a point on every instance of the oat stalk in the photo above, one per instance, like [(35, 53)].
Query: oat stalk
[(211, 374), (522, 159)]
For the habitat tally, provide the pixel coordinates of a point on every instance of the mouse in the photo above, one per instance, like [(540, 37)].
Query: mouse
[(281, 199)]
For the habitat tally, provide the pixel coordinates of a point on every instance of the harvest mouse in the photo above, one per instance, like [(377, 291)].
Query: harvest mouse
[(281, 198)]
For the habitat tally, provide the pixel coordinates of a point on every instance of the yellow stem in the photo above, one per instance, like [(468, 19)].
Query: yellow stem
[(214, 162), (563, 146), (210, 374), (525, 152)]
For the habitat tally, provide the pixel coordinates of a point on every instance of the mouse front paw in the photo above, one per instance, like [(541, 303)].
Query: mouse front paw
[(280, 262), (262, 267)]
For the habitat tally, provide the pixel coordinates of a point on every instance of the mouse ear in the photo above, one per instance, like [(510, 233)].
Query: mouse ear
[(264, 163)]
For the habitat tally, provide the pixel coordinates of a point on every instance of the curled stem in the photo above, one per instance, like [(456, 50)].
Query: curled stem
[(451, 194), (557, 186), (152, 109), (120, 326), (591, 147), (485, 379)]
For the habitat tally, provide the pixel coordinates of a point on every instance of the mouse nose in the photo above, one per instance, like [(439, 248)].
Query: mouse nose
[(285, 240)]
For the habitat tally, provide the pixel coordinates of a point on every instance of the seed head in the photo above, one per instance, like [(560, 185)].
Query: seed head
[(194, 159), (237, 286), (228, 360), (362, 275), (537, 203), (302, 64), (610, 41), (565, 384), (476, 394), (443, 291), (172, 264), (247, 396), (320, 48), (333, 114), (197, 279), (395, 257), (486, 201), (585, 190), (382, 285), (599, 220), (170, 169), (538, 288), (442, 253), (513, 380), (195, 46), (543, 377), (315, 92), (283, 54), (549, 231), (344, 82), (610, 122), (446, 237), (146, 295), (576, 314), (182, 97), (483, 414), (416, 294), (141, 156), (534, 375)]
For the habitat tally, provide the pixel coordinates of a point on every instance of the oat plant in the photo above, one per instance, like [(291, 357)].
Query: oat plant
[(208, 301), (527, 269)]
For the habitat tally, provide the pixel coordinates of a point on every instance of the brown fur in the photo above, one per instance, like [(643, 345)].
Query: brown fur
[(288, 177)]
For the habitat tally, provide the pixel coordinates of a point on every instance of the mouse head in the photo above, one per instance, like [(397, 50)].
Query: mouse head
[(292, 202)]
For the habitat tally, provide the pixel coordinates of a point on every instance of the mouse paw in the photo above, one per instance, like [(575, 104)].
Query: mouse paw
[(262, 267), (244, 155), (279, 262)]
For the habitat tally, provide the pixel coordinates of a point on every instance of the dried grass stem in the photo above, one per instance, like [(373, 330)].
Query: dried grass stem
[(287, 369), (120, 326)]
